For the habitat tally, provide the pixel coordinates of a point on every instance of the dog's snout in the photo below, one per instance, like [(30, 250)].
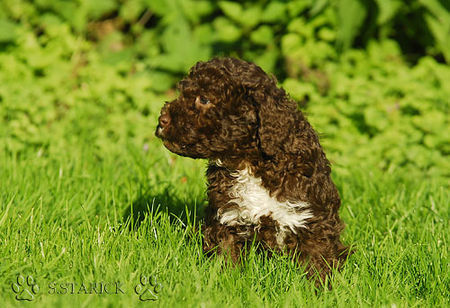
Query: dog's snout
[(164, 119)]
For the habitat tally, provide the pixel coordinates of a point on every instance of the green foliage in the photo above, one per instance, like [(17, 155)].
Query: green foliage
[(391, 115), (115, 62), (420, 25), (351, 15)]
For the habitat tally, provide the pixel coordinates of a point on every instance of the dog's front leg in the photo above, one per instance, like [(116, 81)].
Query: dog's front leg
[(225, 240)]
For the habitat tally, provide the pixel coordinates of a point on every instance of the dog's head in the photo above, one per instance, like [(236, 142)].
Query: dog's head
[(226, 108)]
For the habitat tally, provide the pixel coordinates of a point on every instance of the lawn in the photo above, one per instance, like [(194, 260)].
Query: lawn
[(65, 220)]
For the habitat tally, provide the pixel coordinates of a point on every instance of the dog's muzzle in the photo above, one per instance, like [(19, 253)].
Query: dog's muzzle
[(163, 122)]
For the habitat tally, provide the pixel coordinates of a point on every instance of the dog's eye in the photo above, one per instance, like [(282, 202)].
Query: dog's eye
[(202, 101)]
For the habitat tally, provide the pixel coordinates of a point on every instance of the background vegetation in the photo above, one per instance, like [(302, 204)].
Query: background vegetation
[(81, 86), (386, 105)]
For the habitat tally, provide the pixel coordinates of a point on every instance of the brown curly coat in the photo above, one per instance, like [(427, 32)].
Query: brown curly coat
[(269, 179)]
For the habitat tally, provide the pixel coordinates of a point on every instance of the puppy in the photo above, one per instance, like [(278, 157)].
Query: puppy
[(268, 177)]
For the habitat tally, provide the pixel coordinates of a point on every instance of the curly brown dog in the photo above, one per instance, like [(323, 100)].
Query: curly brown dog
[(269, 180)]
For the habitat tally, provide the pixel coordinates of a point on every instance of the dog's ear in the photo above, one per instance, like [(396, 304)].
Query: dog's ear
[(282, 129), (275, 116)]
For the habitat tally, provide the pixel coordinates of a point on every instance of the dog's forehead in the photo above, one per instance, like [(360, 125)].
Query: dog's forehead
[(207, 88)]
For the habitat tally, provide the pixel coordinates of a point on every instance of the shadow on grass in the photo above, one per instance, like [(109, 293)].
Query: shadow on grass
[(187, 212)]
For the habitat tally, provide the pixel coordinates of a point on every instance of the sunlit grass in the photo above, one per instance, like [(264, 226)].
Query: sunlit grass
[(81, 216)]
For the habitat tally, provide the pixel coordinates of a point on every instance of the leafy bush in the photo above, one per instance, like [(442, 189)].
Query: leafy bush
[(380, 112), (420, 26), (115, 62)]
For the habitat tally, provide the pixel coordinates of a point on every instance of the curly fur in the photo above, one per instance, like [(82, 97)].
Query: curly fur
[(269, 179)]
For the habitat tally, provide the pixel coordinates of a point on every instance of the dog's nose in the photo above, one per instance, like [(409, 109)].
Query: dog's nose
[(164, 120)]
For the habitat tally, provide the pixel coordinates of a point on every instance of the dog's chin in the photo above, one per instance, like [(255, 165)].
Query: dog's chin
[(182, 150), (173, 147), (179, 149)]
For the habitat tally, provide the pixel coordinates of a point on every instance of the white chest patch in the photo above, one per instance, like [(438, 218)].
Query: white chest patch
[(254, 201)]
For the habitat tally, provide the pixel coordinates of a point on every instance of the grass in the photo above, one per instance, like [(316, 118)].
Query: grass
[(65, 215)]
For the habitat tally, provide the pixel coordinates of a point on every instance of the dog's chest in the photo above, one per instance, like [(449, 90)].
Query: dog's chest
[(253, 201)]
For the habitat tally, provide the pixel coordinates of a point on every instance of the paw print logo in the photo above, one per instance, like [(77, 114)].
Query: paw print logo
[(25, 288), (148, 288)]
